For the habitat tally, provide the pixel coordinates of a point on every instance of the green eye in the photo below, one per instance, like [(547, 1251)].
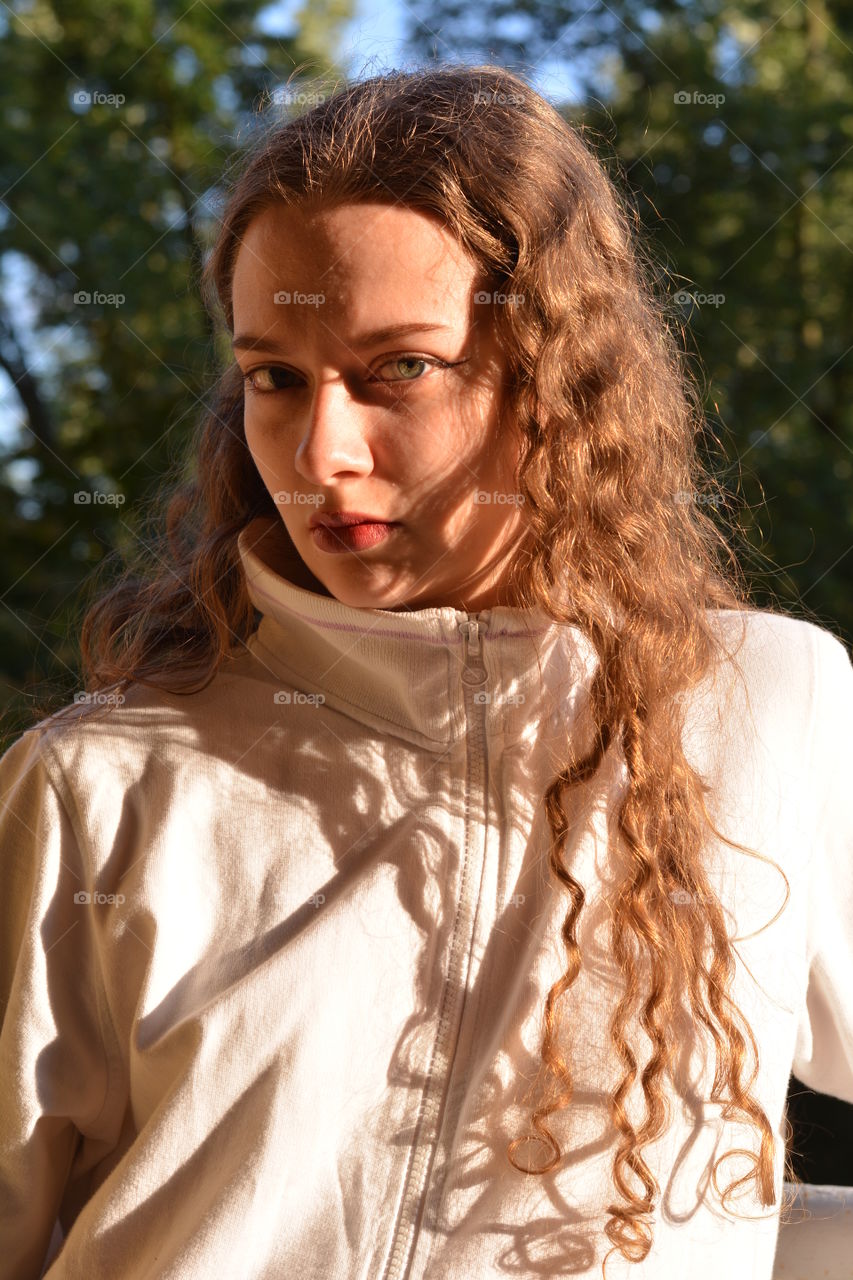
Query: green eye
[(410, 360), (413, 374)]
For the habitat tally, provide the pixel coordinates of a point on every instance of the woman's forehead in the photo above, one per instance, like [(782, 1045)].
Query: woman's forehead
[(375, 265), (353, 241)]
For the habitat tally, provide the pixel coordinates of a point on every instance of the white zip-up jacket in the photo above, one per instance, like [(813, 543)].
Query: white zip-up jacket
[(275, 955)]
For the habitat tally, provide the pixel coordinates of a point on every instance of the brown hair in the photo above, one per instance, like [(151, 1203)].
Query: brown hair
[(615, 497)]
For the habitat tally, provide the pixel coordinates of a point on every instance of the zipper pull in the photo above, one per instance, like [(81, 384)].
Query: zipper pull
[(474, 670)]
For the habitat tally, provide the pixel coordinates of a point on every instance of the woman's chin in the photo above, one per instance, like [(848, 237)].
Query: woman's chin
[(367, 595)]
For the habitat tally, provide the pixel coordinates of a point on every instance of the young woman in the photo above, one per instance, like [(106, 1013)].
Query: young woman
[(447, 866)]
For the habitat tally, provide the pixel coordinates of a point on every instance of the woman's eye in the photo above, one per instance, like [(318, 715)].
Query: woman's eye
[(259, 379), (408, 368), (408, 360)]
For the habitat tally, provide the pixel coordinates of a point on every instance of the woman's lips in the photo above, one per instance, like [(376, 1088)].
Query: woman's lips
[(351, 537)]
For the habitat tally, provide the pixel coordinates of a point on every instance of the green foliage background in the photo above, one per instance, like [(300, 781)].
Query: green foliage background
[(730, 126), (116, 199)]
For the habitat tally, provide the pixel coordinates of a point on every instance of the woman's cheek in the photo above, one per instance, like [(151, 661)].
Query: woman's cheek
[(266, 455), (259, 428)]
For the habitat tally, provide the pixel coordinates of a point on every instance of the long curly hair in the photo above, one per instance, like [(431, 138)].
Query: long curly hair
[(616, 499)]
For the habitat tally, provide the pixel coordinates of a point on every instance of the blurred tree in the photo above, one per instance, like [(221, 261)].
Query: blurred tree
[(118, 123), (732, 127)]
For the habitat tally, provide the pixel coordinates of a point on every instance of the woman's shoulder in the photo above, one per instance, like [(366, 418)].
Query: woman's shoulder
[(773, 632), (782, 678), (780, 650), (113, 728)]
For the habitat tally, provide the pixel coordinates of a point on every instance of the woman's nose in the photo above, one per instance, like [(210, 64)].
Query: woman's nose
[(334, 438)]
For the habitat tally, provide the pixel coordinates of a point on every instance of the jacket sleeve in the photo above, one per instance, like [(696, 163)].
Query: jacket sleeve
[(823, 1058), (53, 1076)]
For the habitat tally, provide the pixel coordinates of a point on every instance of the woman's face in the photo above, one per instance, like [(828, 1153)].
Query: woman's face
[(342, 419)]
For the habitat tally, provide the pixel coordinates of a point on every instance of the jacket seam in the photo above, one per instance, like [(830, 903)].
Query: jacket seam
[(67, 799), (820, 816)]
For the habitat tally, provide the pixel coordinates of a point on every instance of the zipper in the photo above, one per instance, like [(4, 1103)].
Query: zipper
[(434, 1099), (474, 670)]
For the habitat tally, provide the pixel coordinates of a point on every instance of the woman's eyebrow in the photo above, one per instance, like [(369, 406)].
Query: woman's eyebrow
[(250, 342)]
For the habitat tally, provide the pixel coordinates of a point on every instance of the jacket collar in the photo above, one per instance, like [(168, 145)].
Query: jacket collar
[(398, 671)]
